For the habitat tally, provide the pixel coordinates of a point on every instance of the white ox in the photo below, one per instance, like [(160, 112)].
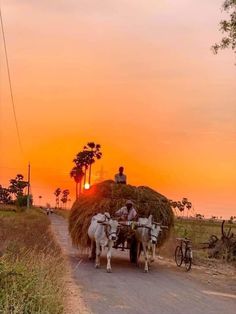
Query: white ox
[(103, 232), (146, 234)]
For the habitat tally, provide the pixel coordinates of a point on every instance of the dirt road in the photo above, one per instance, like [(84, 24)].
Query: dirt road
[(164, 290)]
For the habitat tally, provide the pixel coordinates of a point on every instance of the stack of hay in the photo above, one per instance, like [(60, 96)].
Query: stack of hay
[(109, 197)]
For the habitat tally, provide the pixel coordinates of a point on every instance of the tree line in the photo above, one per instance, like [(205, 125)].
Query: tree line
[(14, 193)]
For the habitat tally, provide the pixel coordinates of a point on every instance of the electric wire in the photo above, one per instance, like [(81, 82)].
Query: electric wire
[(10, 82)]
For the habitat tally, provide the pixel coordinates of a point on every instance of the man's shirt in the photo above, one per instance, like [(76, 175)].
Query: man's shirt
[(123, 212), (120, 178)]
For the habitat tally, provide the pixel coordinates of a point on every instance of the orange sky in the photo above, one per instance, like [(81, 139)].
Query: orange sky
[(136, 76)]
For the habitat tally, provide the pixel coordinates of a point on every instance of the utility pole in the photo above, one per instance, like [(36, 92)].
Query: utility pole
[(28, 190)]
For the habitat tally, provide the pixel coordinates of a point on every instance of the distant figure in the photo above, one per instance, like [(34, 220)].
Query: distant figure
[(120, 177), (48, 211)]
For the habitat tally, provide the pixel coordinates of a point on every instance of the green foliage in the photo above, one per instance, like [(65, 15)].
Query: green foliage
[(228, 28), (21, 200)]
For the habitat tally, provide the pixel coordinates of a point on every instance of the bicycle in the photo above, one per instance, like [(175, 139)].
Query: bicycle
[(183, 253)]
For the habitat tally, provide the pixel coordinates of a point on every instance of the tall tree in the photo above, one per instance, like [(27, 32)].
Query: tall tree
[(228, 28), (57, 194), (93, 151), (64, 198), (82, 161), (77, 174)]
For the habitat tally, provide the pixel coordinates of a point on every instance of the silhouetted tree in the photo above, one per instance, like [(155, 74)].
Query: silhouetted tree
[(5, 196), (64, 198), (82, 160), (77, 174), (57, 194), (228, 28), (17, 185), (86, 158), (93, 151), (181, 205)]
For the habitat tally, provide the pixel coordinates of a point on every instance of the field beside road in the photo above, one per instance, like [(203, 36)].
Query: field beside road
[(199, 231), (31, 264)]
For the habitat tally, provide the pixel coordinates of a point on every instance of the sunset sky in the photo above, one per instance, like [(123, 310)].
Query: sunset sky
[(136, 76)]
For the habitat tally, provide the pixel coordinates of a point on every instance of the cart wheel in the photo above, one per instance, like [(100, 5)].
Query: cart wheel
[(133, 251)]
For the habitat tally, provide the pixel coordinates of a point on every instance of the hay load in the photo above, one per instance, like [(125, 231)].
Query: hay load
[(108, 196)]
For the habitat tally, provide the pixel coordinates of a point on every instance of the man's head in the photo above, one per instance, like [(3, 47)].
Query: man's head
[(121, 170), (129, 204)]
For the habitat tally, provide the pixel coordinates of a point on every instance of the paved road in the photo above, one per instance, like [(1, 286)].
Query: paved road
[(128, 290)]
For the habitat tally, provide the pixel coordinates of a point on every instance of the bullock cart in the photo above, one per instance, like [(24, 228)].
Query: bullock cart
[(109, 197)]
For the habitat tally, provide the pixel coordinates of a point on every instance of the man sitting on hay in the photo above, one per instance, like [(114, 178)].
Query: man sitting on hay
[(120, 177)]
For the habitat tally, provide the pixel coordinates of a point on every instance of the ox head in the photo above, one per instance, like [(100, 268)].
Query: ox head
[(154, 228), (111, 228), (154, 232)]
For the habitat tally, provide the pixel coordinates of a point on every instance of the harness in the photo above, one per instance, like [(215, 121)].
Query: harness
[(153, 235), (108, 234)]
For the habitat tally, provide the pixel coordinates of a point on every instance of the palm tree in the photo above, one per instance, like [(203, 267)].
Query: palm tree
[(173, 205), (184, 203), (82, 161), (77, 173), (93, 152), (188, 206), (57, 194), (65, 194)]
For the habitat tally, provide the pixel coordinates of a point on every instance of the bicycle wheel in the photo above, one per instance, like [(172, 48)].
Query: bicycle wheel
[(179, 256), (188, 259)]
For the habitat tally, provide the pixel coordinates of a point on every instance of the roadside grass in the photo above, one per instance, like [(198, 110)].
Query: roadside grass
[(31, 264), (62, 212)]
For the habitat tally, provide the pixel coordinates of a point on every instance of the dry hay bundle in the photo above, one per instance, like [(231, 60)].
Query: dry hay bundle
[(109, 197)]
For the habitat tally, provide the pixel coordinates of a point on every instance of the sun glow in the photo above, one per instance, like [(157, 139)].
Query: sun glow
[(87, 186)]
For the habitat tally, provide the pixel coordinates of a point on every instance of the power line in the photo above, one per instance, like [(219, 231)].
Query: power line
[(10, 84)]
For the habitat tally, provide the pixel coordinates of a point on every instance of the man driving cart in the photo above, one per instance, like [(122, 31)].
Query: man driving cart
[(126, 213)]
